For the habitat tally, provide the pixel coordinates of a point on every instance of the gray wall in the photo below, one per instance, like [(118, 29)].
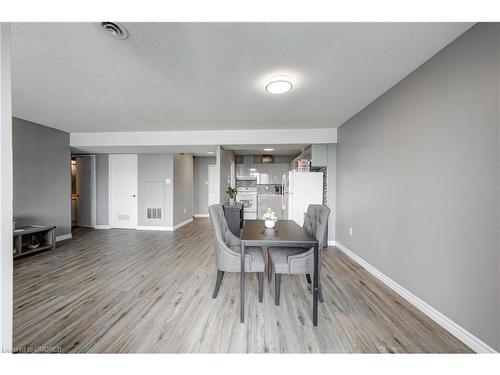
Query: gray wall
[(183, 188), (200, 165), (42, 176), (102, 181), (331, 171), (226, 157), (418, 181), (152, 172)]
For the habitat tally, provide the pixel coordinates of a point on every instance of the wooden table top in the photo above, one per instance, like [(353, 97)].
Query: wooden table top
[(285, 232), (32, 229)]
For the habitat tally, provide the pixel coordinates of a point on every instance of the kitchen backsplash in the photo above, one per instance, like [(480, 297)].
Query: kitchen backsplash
[(269, 189)]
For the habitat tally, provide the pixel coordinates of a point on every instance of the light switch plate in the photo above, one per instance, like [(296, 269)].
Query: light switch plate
[(168, 181)]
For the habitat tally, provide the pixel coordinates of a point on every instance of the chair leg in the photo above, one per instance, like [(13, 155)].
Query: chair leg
[(308, 278), (260, 276), (269, 269), (220, 274), (277, 286)]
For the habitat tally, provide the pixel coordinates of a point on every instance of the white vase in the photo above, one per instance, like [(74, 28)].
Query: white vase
[(269, 224)]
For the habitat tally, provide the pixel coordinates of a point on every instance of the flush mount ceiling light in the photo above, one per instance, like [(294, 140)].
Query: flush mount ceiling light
[(115, 30), (279, 85), (269, 149), (210, 152)]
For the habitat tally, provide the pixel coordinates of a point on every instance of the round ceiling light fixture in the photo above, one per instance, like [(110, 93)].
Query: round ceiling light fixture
[(269, 149), (279, 85), (115, 30)]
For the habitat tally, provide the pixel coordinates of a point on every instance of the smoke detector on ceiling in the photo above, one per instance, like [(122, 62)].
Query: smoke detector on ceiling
[(115, 30)]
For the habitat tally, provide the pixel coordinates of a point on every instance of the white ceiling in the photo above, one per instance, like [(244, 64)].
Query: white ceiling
[(203, 76)]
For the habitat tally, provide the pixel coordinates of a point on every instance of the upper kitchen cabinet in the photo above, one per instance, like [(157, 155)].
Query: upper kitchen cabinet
[(318, 154), (246, 170), (264, 173), (241, 170), (274, 172)]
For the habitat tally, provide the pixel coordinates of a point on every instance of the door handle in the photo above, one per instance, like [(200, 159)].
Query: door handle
[(131, 195)]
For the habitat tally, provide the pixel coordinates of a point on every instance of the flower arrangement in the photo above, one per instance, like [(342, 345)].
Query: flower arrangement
[(269, 218)]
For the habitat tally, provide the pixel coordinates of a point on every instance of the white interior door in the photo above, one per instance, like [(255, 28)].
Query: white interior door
[(232, 172), (123, 190), (213, 194)]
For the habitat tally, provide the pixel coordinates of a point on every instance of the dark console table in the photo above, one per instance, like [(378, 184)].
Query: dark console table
[(234, 217)]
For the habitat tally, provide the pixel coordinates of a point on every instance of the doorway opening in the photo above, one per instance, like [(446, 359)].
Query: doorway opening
[(213, 193), (83, 191)]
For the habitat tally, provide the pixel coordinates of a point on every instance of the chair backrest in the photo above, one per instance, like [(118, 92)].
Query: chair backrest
[(225, 258), (316, 222), (218, 222)]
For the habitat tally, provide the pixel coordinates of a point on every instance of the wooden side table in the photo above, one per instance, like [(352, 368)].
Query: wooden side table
[(44, 235)]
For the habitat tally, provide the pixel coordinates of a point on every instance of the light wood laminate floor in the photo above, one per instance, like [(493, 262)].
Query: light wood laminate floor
[(144, 291)]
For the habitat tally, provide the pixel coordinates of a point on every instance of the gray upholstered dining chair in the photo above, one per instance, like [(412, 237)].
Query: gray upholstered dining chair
[(228, 250), (296, 260)]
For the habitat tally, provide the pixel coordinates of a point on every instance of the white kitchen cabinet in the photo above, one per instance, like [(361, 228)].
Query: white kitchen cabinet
[(262, 171), (267, 170), (240, 170), (245, 170), (266, 173)]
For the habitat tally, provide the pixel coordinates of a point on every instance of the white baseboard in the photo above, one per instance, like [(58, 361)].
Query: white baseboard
[(150, 227), (177, 226), (168, 229), (64, 237), (459, 332), (201, 215), (102, 226)]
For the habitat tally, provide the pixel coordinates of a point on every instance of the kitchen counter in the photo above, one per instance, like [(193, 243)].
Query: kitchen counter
[(269, 195)]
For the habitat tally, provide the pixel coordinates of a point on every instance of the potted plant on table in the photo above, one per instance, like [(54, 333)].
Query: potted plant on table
[(231, 192)]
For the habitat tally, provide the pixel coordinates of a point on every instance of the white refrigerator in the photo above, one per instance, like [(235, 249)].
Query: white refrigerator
[(300, 189)]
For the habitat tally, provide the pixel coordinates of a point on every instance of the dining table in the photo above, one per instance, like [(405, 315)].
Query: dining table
[(286, 233)]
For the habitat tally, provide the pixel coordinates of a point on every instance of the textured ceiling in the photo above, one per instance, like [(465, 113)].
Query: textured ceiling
[(189, 76)]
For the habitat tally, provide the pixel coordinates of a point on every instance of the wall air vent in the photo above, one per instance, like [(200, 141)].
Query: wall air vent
[(115, 30), (154, 213)]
